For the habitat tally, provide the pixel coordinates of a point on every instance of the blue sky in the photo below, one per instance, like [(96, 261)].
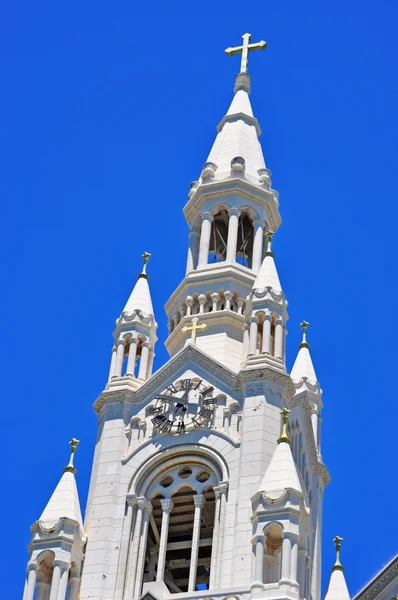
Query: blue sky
[(108, 111)]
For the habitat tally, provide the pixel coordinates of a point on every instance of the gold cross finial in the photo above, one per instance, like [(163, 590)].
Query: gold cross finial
[(268, 238), (145, 257), (304, 326), (245, 49), (285, 419), (194, 328), (73, 447), (337, 565)]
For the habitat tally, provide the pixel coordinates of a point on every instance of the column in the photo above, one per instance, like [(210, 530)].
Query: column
[(124, 546), (31, 583), (132, 356), (279, 339), (202, 301), (167, 507), (232, 240), (240, 302), (73, 587), (246, 341), (142, 550), (63, 584), (150, 363), (56, 579), (258, 561), (113, 363), (144, 360), (120, 344), (192, 257), (223, 488), (294, 561), (253, 335), (258, 226), (207, 220), (228, 298), (199, 501), (302, 555), (189, 303), (266, 345), (134, 546), (216, 535), (286, 558), (314, 422), (215, 297)]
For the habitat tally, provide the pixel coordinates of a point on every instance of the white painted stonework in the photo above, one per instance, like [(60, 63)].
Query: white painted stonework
[(191, 495)]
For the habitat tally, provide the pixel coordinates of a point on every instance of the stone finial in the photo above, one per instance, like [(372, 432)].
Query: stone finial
[(193, 186), (304, 326), (242, 82), (264, 177), (285, 419), (145, 258), (73, 447), (337, 565), (269, 234), (209, 170), (238, 165)]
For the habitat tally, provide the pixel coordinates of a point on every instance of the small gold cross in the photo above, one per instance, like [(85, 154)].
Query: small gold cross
[(245, 49), (194, 328)]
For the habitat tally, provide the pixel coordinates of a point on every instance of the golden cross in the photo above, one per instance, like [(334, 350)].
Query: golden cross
[(245, 49), (285, 419), (194, 328)]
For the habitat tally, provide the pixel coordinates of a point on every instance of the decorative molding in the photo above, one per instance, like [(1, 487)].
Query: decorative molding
[(380, 581)]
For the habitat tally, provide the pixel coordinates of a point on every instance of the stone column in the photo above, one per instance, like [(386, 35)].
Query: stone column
[(202, 301), (294, 561), (141, 552), (223, 487), (258, 542), (246, 341), (113, 363), (286, 558), (266, 345), (167, 507), (199, 501), (193, 247), (240, 302), (302, 555), (215, 299), (132, 356), (189, 303), (216, 535), (279, 339), (228, 298), (42, 590), (232, 240), (253, 335), (132, 563), (150, 363), (124, 546), (314, 422), (120, 345), (258, 232), (73, 587), (30, 583), (144, 360), (63, 584), (207, 220)]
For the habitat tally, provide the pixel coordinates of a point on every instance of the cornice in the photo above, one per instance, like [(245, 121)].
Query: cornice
[(240, 116), (380, 581)]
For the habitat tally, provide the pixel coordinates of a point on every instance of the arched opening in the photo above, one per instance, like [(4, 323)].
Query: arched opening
[(125, 356), (44, 575), (218, 237), (272, 553), (244, 247)]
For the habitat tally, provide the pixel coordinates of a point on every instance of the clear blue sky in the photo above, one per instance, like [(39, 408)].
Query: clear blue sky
[(108, 111)]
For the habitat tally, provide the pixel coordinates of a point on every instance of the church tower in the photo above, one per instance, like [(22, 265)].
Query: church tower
[(207, 479)]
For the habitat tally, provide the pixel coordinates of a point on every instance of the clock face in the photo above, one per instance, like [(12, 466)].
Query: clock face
[(186, 404)]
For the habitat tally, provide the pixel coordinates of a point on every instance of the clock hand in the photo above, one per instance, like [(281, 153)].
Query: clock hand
[(164, 397)]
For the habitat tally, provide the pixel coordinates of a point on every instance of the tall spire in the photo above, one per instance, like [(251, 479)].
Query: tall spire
[(337, 589), (303, 367), (281, 474), (64, 502), (140, 297)]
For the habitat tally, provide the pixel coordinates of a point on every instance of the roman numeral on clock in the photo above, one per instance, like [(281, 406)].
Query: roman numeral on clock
[(205, 413), (162, 423)]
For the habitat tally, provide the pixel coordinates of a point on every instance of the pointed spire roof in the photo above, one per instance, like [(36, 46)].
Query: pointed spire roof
[(64, 503), (281, 474), (337, 589), (268, 275), (140, 297), (238, 134), (303, 366)]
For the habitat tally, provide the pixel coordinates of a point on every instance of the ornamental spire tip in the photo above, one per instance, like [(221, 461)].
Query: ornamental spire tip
[(145, 258), (337, 543), (285, 419), (304, 326), (73, 447)]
